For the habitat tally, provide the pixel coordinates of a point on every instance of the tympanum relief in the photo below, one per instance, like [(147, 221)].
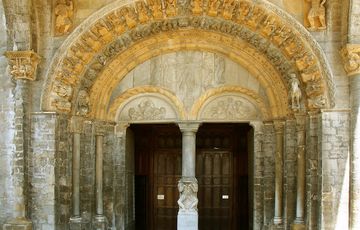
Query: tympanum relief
[(146, 108), (229, 107), (188, 75)]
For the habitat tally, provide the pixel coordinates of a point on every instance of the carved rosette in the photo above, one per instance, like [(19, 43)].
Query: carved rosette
[(351, 57), (23, 64), (188, 188), (238, 18)]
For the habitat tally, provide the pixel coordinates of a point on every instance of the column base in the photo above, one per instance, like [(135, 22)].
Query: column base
[(298, 226), (277, 224), (187, 221), (78, 223), (18, 224), (100, 222)]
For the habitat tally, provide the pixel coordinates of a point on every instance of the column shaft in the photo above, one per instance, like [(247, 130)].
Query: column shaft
[(76, 175), (188, 154), (99, 175), (300, 181), (279, 129)]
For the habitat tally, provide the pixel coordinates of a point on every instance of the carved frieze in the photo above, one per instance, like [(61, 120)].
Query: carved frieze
[(351, 58), (315, 15), (64, 16), (188, 201), (23, 64)]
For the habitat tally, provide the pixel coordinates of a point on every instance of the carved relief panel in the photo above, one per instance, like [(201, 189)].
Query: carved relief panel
[(63, 13), (315, 15), (148, 107), (229, 107)]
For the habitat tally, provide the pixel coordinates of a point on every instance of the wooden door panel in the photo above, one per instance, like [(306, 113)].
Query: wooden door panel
[(214, 178)]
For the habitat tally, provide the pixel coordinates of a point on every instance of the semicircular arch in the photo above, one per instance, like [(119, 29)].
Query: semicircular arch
[(120, 25)]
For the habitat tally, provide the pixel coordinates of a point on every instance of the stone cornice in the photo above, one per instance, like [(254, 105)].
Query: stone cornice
[(351, 58), (23, 64)]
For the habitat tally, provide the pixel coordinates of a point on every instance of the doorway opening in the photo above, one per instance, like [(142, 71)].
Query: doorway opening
[(223, 171)]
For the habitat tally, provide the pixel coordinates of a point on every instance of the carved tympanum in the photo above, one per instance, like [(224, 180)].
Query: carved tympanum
[(63, 12), (23, 64), (188, 200), (146, 110), (229, 108)]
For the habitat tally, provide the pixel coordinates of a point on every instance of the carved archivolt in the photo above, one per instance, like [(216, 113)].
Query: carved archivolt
[(230, 103), (145, 108), (265, 27)]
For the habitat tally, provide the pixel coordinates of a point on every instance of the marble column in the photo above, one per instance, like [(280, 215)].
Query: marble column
[(299, 223), (188, 187), (279, 130), (100, 221), (351, 58), (22, 68), (76, 128)]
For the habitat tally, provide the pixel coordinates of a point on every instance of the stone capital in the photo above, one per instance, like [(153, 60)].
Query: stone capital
[(76, 124), (189, 126), (120, 128), (351, 58), (100, 128), (279, 126), (23, 64)]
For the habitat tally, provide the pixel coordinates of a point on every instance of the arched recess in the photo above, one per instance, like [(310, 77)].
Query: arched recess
[(228, 97), (116, 108), (98, 54)]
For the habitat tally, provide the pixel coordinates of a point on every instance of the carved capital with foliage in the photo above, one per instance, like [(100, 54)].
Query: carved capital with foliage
[(23, 64), (100, 128), (351, 57)]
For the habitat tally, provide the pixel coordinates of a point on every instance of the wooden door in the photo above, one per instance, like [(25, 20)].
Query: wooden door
[(222, 173), (158, 159), (167, 172)]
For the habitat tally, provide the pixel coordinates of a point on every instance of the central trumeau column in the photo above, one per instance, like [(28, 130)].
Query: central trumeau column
[(188, 186)]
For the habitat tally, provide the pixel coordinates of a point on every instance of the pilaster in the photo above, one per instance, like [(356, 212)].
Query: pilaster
[(22, 66), (351, 58)]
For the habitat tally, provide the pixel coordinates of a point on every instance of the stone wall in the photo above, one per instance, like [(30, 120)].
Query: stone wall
[(290, 172), (333, 170), (42, 168), (312, 180), (269, 147)]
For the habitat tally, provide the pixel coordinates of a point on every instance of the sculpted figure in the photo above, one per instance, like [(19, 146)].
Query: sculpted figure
[(64, 11), (317, 11), (83, 103), (295, 92), (188, 200)]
